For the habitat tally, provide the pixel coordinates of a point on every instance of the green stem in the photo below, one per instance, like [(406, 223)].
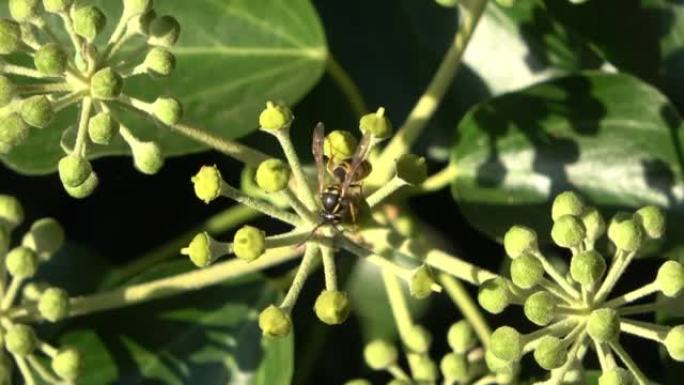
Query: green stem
[(82, 133), (487, 380), (25, 370), (558, 375), (42, 371), (346, 84), (440, 179), (467, 306), (44, 88), (620, 263), (257, 204), (299, 207), (454, 266), (302, 187), (632, 295), (68, 25), (398, 373), (556, 290), (68, 100), (303, 271), (328, 256), (11, 294), (13, 69), (629, 363), (384, 192), (551, 270), (400, 311), (646, 330), (645, 308)]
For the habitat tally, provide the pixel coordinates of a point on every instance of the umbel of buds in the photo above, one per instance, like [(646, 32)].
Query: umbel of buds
[(87, 73), (575, 311)]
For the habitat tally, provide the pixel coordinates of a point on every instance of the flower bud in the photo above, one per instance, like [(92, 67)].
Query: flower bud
[(454, 367), (84, 189), (376, 124), (168, 110), (540, 308), (506, 344), (7, 91), (23, 10), (164, 31), (21, 262), (21, 340), (106, 84), (13, 130), (89, 21), (567, 203), (160, 62), (418, 339), (203, 250), (526, 271), (461, 337), (604, 325), (587, 268), (499, 366), (136, 7), (74, 170), (249, 243), (380, 354), (45, 237), (616, 376), (33, 290), (332, 307), (494, 295), (593, 223), (207, 183), (275, 117), (568, 231), (102, 128), (50, 59), (519, 240), (274, 322), (67, 364), (550, 353), (11, 212), (652, 221), (54, 304), (423, 368), (411, 169), (358, 381), (10, 37), (420, 285), (339, 145), (147, 157), (37, 111), (447, 3), (140, 24), (625, 232), (56, 6), (674, 343), (272, 175), (670, 278)]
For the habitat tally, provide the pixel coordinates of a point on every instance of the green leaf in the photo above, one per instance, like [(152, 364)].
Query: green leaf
[(232, 57), (613, 138)]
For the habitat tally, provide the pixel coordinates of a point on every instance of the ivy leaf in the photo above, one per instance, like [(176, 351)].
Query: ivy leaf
[(232, 57), (612, 138)]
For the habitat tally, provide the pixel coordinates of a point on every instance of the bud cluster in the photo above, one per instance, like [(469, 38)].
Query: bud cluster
[(82, 72)]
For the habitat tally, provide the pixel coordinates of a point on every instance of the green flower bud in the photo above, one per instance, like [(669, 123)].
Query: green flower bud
[(499, 366), (67, 364), (21, 262), (376, 124), (23, 10), (506, 344), (447, 3), (168, 110), (520, 240), (89, 21), (11, 212), (56, 6), (160, 62), (616, 376), (461, 337), (74, 170), (420, 285), (526, 271), (106, 84), (275, 117), (54, 304), (33, 290), (625, 232), (332, 307), (550, 353), (593, 223), (21, 340), (454, 367), (423, 368), (37, 111), (358, 381), (380, 354), (147, 157), (540, 308), (587, 268), (203, 250), (674, 343), (494, 295), (46, 237), (102, 128), (135, 7), (418, 339), (670, 278), (274, 322), (568, 231), (140, 24), (10, 37), (652, 221), (249, 243), (50, 59), (164, 31), (411, 169), (604, 325), (207, 183), (84, 189), (13, 130), (339, 145), (7, 90), (567, 203), (272, 175)]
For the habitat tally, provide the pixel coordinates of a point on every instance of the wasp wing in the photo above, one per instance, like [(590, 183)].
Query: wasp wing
[(317, 149), (359, 156)]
